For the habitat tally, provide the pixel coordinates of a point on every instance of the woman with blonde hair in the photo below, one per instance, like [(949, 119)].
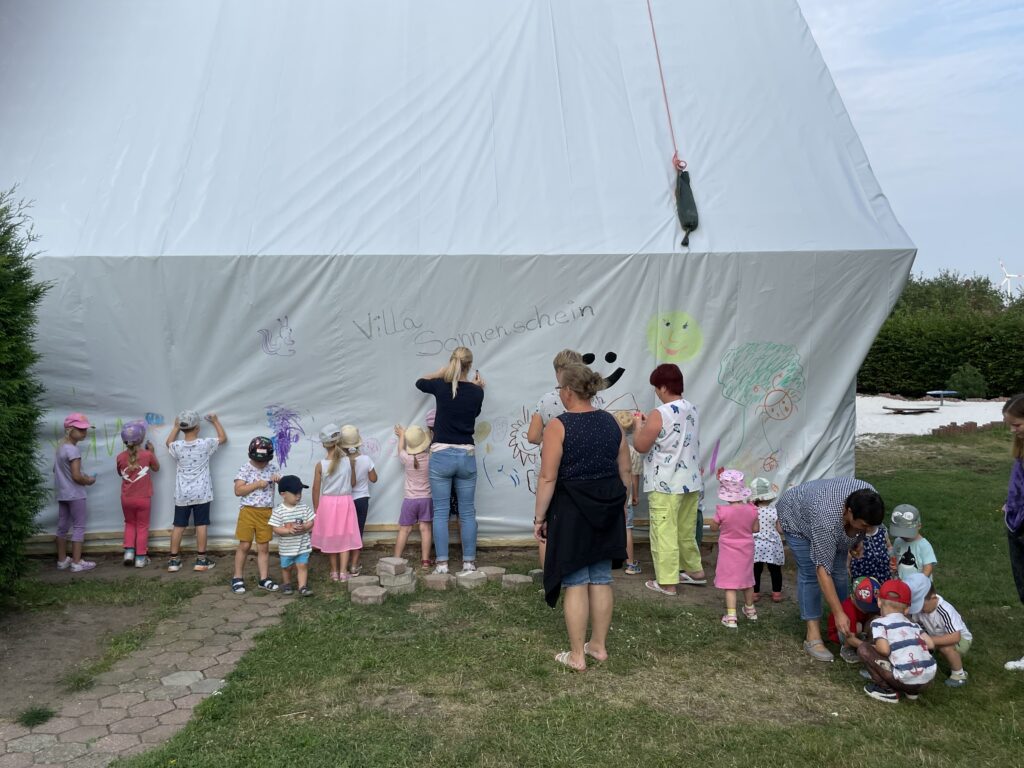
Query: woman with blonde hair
[(453, 452)]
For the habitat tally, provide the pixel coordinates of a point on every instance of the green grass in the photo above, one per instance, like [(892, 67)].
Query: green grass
[(466, 678), (34, 716)]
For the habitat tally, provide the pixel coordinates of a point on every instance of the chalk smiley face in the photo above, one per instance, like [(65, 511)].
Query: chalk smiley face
[(674, 337), (610, 357)]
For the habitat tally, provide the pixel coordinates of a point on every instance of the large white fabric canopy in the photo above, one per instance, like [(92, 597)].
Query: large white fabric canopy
[(285, 213)]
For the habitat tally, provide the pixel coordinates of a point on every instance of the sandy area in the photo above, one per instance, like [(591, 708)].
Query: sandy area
[(872, 418)]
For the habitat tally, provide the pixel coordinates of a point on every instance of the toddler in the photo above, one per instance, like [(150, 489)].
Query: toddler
[(70, 483), (364, 474), (870, 557), (254, 483), (768, 539), (636, 463), (135, 466), (736, 523), (292, 521), (860, 607), (417, 508), (911, 551), (948, 631)]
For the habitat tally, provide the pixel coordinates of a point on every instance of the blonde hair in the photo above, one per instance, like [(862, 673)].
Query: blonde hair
[(458, 365), (1015, 407), (66, 439), (334, 453), (565, 358), (133, 454), (582, 381)]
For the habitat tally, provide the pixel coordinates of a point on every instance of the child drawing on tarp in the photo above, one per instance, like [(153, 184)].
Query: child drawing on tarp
[(417, 507), (335, 528), (363, 473), (135, 465), (636, 463), (736, 523), (768, 539), (70, 483)]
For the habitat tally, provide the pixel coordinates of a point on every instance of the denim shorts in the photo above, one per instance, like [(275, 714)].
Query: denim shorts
[(629, 516), (596, 573), (288, 561)]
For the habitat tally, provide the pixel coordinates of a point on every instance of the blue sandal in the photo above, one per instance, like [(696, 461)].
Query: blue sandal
[(238, 586)]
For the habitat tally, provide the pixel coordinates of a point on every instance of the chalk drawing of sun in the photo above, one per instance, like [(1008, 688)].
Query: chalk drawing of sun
[(522, 449), (673, 337)]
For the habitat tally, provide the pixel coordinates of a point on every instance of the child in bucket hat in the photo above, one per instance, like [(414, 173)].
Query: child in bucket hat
[(364, 473), (912, 552), (768, 539), (736, 523)]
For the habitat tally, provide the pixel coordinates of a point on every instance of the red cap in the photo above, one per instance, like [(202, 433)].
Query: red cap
[(896, 591)]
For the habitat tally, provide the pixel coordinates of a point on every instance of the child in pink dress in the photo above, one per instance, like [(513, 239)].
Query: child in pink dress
[(736, 523)]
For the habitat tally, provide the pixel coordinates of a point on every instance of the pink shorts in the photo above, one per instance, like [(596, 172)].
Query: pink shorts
[(416, 511)]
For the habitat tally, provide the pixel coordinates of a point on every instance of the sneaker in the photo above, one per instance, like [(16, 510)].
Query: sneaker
[(305, 592), (203, 564), (268, 584), (82, 565), (468, 567), (1017, 665), (849, 655), (776, 597), (238, 586), (865, 674), (286, 589), (632, 568), (174, 564), (750, 612), (141, 561), (729, 621), (63, 565), (129, 557), (879, 693), (957, 679), (425, 565), (911, 696), (442, 568)]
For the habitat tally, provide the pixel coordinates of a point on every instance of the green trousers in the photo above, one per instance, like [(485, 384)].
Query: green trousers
[(673, 529)]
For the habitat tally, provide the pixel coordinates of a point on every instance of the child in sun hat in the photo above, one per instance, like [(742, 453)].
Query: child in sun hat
[(911, 551), (768, 539), (364, 474), (636, 464), (336, 529), (417, 509), (135, 465), (736, 523), (70, 484)]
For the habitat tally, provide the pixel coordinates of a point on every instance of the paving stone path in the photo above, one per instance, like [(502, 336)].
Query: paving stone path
[(148, 696)]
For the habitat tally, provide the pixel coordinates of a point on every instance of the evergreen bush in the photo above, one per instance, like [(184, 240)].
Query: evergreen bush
[(24, 490), (968, 381)]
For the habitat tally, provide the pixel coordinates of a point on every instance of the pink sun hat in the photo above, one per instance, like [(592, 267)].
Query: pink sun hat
[(731, 487), (77, 420)]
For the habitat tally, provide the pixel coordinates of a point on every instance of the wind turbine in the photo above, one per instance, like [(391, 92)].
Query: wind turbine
[(1008, 278)]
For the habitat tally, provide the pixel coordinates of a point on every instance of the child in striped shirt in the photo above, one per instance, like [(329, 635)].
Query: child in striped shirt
[(292, 521)]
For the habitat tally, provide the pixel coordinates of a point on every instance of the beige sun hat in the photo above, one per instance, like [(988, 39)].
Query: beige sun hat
[(416, 439), (350, 437), (625, 419), (763, 489)]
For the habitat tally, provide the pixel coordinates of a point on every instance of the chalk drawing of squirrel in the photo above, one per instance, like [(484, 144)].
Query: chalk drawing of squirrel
[(279, 343)]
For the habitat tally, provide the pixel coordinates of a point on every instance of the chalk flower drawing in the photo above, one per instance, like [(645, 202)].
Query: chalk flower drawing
[(277, 342), (522, 449), (286, 430)]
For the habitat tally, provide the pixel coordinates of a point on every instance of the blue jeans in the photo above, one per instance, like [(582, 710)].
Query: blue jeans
[(600, 573), (458, 465), (808, 592)]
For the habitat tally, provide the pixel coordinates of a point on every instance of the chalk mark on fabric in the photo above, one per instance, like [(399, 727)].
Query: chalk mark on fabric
[(285, 424), (279, 341)]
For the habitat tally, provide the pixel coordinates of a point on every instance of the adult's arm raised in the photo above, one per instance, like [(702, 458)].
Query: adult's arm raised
[(645, 430)]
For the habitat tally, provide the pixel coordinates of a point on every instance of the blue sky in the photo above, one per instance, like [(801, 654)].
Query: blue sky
[(935, 89)]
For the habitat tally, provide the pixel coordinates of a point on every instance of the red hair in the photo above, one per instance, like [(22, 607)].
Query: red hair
[(669, 376)]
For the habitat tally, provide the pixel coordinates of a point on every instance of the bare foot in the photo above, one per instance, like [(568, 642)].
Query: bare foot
[(595, 653)]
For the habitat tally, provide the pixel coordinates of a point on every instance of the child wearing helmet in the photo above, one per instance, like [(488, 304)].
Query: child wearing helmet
[(134, 465), (254, 484)]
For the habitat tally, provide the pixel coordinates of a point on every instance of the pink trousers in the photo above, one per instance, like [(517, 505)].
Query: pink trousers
[(136, 523)]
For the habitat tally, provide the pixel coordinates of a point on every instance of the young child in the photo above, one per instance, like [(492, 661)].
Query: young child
[(860, 608), (898, 659), (336, 529), (911, 550), (416, 506), (736, 523), (1013, 509), (193, 487), (254, 484), (135, 467), (70, 483), (292, 521), (365, 473), (871, 557), (636, 461), (949, 633), (768, 539)]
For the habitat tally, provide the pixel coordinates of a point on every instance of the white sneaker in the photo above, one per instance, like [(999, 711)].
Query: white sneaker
[(441, 569), (129, 557), (63, 565), (468, 567), (82, 565), (1016, 665)]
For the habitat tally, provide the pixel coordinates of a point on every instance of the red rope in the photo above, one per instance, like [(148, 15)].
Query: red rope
[(680, 165)]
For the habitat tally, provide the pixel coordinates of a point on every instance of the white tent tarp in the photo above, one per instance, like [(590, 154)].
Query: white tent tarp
[(287, 212)]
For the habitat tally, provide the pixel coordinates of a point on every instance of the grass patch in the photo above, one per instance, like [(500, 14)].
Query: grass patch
[(467, 679), (34, 716)]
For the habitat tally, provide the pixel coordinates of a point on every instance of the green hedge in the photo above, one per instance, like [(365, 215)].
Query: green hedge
[(24, 489), (918, 351)]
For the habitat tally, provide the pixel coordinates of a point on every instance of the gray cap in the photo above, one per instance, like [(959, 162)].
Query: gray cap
[(905, 522), (188, 419), (330, 434)]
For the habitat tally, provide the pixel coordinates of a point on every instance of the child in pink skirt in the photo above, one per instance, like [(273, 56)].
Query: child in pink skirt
[(135, 465), (736, 523), (335, 528)]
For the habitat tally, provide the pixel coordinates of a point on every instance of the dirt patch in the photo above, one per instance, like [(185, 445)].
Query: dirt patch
[(425, 609), (38, 648)]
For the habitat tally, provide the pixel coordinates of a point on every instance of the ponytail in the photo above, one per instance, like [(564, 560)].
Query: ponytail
[(415, 461), (352, 466), (334, 453), (133, 455), (458, 365)]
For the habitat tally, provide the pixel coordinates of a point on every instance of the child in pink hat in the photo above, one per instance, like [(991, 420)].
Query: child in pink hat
[(736, 523), (70, 483)]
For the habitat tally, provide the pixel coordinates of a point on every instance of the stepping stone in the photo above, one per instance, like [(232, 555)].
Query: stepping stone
[(369, 595), (537, 574), (438, 582), (403, 579), (515, 581), (392, 565), (492, 572), (182, 678), (362, 581), (402, 589), (471, 580)]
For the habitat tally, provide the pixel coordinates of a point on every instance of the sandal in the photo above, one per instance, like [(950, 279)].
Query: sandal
[(563, 659), (817, 650), (335, 576), (750, 612), (268, 584), (656, 587), (238, 586), (685, 578), (586, 652), (729, 621)]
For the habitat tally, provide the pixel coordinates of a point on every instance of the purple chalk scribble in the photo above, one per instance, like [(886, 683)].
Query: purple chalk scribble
[(286, 429)]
